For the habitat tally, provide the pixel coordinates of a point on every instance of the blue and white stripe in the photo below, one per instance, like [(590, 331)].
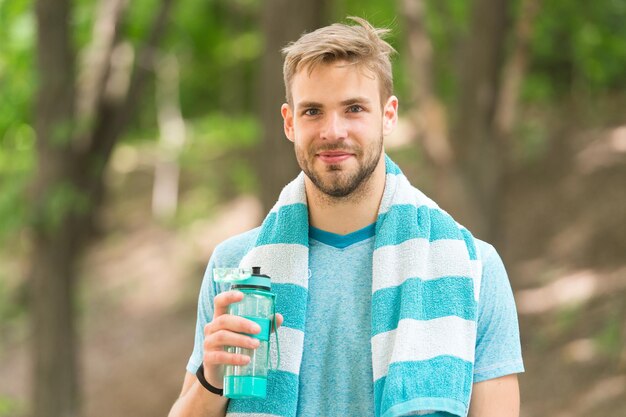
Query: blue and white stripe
[(425, 281)]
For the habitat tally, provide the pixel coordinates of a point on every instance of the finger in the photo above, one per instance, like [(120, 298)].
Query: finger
[(279, 321), (220, 357), (223, 338), (232, 323), (223, 300)]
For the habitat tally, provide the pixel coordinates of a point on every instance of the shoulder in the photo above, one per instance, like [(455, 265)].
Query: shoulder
[(495, 279), (486, 252), (496, 295), (498, 349), (229, 252)]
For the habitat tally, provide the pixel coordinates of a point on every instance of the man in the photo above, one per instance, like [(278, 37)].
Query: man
[(390, 307)]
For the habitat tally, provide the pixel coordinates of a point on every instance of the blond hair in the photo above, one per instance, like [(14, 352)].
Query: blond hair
[(360, 44)]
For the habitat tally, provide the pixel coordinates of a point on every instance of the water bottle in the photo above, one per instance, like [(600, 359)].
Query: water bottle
[(258, 305)]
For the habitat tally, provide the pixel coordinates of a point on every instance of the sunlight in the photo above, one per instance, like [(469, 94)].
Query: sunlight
[(581, 350), (603, 152), (125, 159), (618, 139), (572, 289)]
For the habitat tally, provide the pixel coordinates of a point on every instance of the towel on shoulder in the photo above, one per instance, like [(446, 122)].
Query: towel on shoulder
[(425, 290)]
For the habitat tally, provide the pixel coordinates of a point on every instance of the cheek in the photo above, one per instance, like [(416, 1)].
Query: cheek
[(304, 134), (365, 129), (303, 144)]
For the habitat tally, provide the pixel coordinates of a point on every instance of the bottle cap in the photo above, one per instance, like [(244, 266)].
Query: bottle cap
[(242, 277)]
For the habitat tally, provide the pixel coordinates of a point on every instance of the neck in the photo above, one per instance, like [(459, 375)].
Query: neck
[(343, 215)]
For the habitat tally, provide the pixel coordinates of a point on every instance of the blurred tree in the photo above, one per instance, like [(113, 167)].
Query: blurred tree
[(17, 135), (77, 125), (428, 114), (276, 163), (565, 67), (172, 137), (470, 163), (475, 145)]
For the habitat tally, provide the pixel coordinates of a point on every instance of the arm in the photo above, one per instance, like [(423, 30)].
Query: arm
[(195, 400), (223, 330), (498, 349), (498, 397)]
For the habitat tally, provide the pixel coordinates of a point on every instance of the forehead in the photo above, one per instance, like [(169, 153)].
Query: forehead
[(335, 81)]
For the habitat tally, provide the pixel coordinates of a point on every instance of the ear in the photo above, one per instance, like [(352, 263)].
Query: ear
[(287, 113), (390, 115)]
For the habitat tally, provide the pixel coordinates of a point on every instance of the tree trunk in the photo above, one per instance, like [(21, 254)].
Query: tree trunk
[(514, 71), (67, 189), (232, 99), (507, 104), (277, 163), (54, 335), (428, 115), (473, 137)]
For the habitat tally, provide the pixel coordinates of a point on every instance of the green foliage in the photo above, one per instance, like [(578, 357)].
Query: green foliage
[(219, 45), (12, 207), (9, 406), (379, 17), (373, 12), (609, 338), (16, 64), (243, 177), (532, 140), (568, 317), (9, 310), (447, 24), (62, 200), (61, 133), (195, 204), (600, 47), (240, 48), (574, 48), (138, 18), (214, 162), (222, 132), (17, 137), (16, 163)]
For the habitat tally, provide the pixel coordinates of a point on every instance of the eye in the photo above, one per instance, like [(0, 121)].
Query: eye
[(311, 112), (355, 108)]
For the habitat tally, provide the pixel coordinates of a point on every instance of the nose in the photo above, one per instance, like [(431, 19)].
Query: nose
[(334, 127)]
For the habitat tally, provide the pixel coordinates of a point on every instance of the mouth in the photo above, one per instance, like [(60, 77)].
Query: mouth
[(334, 157)]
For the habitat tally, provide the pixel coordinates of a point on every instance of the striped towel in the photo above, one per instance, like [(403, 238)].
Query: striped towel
[(425, 288)]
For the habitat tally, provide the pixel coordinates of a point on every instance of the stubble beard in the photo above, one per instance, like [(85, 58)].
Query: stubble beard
[(336, 183)]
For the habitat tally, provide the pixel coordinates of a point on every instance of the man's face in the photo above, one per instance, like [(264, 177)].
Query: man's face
[(337, 125)]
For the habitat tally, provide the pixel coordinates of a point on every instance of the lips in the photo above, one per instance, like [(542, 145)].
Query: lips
[(334, 157)]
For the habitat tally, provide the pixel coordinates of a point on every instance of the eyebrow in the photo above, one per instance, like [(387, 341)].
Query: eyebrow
[(307, 104), (355, 100), (347, 102)]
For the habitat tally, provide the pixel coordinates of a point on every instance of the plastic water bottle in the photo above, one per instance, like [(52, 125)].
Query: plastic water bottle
[(258, 305)]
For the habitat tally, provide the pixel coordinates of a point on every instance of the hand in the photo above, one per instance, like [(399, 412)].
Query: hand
[(224, 330)]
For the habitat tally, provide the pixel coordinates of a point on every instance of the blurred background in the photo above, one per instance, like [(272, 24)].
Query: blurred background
[(135, 136)]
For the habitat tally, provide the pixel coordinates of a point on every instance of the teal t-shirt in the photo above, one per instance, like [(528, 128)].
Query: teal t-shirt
[(336, 370)]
